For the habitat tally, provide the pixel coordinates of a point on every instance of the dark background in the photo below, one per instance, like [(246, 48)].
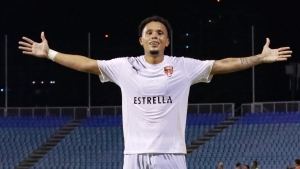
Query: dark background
[(216, 30)]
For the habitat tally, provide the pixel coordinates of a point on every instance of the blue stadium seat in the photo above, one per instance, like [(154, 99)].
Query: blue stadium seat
[(21, 135), (270, 138)]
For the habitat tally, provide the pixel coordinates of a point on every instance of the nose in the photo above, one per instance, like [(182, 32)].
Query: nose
[(154, 35)]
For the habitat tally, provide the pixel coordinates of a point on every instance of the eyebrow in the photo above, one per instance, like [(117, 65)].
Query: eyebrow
[(155, 30)]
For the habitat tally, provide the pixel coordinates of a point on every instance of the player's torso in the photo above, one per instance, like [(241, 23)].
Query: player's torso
[(160, 84)]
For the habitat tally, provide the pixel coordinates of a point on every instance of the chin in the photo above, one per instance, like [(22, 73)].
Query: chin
[(154, 52)]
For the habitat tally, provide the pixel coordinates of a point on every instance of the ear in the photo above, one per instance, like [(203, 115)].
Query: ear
[(141, 41), (168, 42)]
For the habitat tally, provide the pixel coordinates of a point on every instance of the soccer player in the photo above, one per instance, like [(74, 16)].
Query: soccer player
[(155, 90), (297, 164), (238, 166), (254, 165), (246, 167)]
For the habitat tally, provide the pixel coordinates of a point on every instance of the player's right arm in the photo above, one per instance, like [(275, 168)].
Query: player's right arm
[(41, 50)]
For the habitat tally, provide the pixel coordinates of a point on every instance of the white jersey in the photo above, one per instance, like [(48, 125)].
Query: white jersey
[(154, 100)]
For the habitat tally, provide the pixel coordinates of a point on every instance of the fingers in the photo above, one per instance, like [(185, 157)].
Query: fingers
[(43, 36), (284, 56), (27, 53), (281, 59), (25, 44), (25, 48), (267, 42), (28, 40), (283, 48), (285, 53)]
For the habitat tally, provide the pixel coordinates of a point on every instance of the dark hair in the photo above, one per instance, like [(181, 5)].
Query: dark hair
[(238, 164), (154, 19), (248, 167), (297, 161), (255, 163)]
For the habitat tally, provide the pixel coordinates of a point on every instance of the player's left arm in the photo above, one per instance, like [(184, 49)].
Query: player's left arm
[(268, 55)]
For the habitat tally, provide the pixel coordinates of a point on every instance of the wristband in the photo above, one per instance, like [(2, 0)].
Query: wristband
[(51, 54)]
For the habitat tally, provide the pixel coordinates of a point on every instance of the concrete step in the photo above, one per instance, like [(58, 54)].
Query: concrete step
[(31, 160), (227, 123), (77, 120), (72, 125), (233, 118), (210, 134), (54, 140), (49, 144), (221, 127), (67, 128), (40, 152), (22, 168), (189, 150), (63, 132), (38, 156), (193, 146), (204, 139), (26, 164), (62, 136), (198, 143), (46, 148), (215, 130)]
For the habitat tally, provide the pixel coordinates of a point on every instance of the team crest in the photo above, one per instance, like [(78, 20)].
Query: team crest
[(168, 69)]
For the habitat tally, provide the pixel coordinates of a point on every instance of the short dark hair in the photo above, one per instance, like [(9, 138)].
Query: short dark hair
[(238, 164), (255, 163), (297, 161), (154, 19)]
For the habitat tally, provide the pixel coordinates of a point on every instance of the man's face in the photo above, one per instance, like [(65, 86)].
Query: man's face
[(154, 38)]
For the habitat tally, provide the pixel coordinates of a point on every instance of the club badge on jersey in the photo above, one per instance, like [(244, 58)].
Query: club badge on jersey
[(168, 69)]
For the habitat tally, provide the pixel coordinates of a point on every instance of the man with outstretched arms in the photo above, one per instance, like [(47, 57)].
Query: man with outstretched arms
[(155, 90)]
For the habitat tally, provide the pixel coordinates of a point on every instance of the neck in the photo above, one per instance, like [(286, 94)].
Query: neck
[(154, 59)]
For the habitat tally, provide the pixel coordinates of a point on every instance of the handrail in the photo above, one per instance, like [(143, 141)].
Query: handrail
[(82, 111), (262, 107)]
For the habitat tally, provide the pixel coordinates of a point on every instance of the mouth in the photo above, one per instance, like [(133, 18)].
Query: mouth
[(154, 43)]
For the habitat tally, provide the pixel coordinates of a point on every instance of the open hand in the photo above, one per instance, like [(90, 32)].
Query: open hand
[(33, 48), (273, 55)]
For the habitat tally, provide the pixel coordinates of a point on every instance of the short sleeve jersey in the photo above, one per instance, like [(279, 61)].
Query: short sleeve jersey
[(154, 100)]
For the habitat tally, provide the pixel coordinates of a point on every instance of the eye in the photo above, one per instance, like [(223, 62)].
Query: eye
[(149, 33), (160, 33)]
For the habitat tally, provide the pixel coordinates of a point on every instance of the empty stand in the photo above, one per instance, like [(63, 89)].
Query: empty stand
[(270, 138), (98, 141), (21, 135)]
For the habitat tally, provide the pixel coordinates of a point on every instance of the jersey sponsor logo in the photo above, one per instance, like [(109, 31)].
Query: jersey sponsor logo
[(168, 69), (153, 100)]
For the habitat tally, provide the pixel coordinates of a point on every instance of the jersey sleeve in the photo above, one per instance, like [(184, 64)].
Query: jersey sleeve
[(110, 69), (198, 70)]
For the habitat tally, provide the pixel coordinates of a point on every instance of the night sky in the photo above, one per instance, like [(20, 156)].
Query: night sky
[(215, 30)]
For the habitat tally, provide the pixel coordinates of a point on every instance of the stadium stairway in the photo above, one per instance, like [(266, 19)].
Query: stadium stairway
[(49, 144), (211, 133)]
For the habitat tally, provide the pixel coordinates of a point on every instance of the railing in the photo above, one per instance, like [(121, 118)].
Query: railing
[(211, 108), (81, 112), (264, 107)]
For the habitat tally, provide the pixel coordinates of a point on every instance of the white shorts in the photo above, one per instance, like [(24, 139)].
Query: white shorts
[(154, 161)]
